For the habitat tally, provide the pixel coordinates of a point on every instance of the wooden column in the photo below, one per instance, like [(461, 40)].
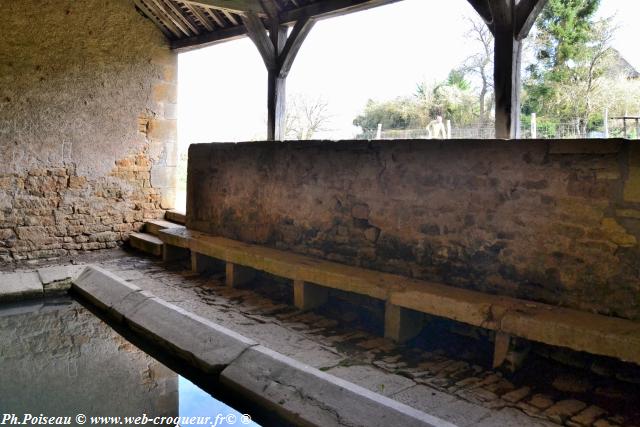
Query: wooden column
[(307, 296), (510, 22), (402, 324), (506, 77), (278, 52)]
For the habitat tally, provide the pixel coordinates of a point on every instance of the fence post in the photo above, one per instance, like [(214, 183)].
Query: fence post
[(606, 123), (379, 134), (448, 129), (534, 126)]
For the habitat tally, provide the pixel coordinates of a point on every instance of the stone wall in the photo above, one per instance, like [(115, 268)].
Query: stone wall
[(87, 125), (556, 222)]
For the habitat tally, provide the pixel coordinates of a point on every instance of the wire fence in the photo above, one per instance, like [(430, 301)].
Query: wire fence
[(543, 131)]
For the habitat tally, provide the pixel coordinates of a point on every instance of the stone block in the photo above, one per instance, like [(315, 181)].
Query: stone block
[(307, 296), (20, 286), (237, 275), (197, 340), (202, 263), (304, 395), (402, 324), (57, 280), (102, 288)]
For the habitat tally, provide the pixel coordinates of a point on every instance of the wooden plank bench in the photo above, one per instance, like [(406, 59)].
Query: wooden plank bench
[(407, 300)]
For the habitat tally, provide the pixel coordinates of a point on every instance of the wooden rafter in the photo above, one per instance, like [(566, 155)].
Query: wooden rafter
[(237, 6), (288, 14)]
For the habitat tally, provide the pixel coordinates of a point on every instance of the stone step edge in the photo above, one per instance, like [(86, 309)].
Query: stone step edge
[(37, 284), (176, 216), (146, 242), (295, 390)]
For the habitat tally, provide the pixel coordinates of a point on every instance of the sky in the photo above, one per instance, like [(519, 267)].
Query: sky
[(381, 53)]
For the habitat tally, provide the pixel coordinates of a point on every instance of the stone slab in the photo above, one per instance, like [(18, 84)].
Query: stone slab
[(154, 226), (146, 243), (57, 280), (509, 417), (372, 379), (20, 286), (307, 396), (209, 346), (176, 216), (445, 406)]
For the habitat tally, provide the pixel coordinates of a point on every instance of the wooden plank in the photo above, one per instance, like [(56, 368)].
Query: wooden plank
[(330, 8), (237, 6), (318, 10), (200, 16), (209, 39), (159, 16), (527, 11), (168, 14), (149, 14)]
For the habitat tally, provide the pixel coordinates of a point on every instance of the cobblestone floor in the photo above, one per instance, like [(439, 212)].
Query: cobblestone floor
[(441, 373)]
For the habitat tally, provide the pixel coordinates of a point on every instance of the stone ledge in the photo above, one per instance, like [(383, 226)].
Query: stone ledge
[(20, 286), (46, 281), (294, 390), (304, 395)]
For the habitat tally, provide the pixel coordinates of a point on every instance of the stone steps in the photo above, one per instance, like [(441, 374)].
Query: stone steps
[(146, 243), (154, 226), (176, 216)]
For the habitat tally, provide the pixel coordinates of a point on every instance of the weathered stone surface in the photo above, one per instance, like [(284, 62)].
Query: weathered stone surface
[(76, 159), (537, 220), (372, 379), (57, 280), (103, 288), (19, 286), (445, 406), (588, 416), (564, 410), (208, 345), (306, 395)]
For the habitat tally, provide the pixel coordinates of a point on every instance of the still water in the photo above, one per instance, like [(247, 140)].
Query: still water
[(58, 360)]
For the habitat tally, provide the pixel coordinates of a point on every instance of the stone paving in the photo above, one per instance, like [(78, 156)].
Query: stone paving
[(445, 377)]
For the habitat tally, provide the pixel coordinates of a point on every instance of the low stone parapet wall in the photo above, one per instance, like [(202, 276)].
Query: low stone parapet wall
[(554, 221)]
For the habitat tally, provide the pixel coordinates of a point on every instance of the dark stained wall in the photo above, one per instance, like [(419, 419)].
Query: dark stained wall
[(556, 222)]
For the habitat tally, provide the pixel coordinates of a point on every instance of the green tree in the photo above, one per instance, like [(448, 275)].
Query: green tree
[(399, 113), (573, 54)]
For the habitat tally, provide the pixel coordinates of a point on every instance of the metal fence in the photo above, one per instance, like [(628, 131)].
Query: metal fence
[(543, 131)]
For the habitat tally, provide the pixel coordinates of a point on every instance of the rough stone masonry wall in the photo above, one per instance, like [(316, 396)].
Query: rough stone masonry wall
[(556, 222), (87, 125)]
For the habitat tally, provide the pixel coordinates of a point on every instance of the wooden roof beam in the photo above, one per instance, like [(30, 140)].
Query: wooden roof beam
[(235, 6), (527, 11)]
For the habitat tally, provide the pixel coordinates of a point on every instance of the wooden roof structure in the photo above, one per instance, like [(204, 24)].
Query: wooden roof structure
[(190, 24)]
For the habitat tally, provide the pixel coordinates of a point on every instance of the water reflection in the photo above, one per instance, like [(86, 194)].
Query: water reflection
[(196, 403), (58, 359)]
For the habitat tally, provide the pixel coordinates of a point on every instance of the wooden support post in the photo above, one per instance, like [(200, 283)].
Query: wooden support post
[(237, 275), (501, 349), (278, 52), (606, 123), (173, 253), (307, 296), (510, 21), (402, 324), (506, 74), (202, 263)]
